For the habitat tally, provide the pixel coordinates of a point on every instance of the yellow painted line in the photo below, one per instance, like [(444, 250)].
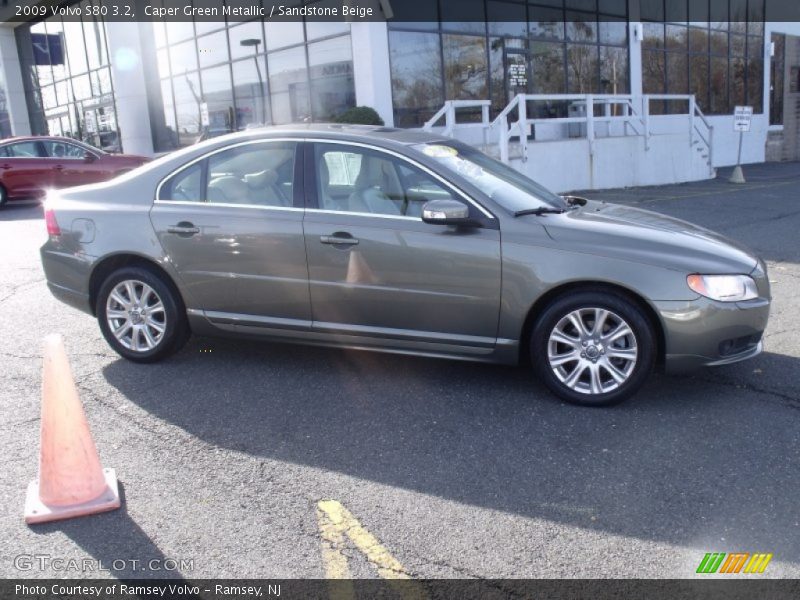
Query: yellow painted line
[(335, 522)]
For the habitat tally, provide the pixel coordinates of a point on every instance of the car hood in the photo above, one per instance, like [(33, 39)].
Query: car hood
[(648, 237)]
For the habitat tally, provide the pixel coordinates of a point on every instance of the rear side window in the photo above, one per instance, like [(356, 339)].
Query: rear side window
[(259, 174), (23, 150), (186, 185)]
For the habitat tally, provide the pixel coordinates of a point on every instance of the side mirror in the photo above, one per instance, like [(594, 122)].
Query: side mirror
[(445, 212), (89, 157)]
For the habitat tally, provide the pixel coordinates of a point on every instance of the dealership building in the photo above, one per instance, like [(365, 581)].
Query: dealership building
[(575, 93)]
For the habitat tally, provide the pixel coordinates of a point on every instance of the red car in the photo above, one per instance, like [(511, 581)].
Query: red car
[(31, 165)]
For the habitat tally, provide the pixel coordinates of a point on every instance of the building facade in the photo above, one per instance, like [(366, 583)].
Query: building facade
[(151, 87)]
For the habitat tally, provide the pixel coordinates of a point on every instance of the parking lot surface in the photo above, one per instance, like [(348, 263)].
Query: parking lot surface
[(225, 451)]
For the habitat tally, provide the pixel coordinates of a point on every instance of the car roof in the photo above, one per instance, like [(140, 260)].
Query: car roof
[(40, 138), (338, 131)]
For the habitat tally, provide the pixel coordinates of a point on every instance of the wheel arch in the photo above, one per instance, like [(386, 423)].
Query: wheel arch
[(109, 264), (590, 286)]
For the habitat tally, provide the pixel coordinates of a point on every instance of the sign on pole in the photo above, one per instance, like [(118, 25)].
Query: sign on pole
[(742, 116), (204, 117)]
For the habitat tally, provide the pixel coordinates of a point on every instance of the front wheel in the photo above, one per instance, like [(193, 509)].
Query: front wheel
[(140, 315), (593, 349)]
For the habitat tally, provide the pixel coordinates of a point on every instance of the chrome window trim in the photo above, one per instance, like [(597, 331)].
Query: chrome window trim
[(326, 211), (463, 195), (225, 205), (458, 191), (164, 179)]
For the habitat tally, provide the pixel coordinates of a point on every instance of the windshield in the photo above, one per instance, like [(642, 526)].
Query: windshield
[(509, 188)]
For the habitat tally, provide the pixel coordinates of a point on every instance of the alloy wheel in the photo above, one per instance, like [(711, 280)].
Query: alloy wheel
[(136, 316), (592, 351)]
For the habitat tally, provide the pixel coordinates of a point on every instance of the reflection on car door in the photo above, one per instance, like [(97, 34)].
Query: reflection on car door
[(70, 166), (229, 225), (23, 171), (376, 270)]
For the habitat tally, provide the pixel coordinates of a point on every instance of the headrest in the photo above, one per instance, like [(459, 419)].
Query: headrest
[(227, 189), (261, 179)]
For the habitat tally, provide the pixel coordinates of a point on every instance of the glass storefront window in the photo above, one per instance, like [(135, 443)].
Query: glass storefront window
[(213, 49), (417, 87), (281, 35), (76, 52), (330, 68), (582, 69), (218, 95), (267, 80), (549, 24), (246, 31), (250, 93), (777, 66), (187, 108), (614, 70), (288, 83), (465, 67), (183, 57)]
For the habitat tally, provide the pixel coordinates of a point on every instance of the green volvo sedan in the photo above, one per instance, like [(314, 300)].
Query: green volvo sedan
[(399, 241)]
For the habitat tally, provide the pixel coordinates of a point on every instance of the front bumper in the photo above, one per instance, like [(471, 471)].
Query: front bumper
[(704, 333)]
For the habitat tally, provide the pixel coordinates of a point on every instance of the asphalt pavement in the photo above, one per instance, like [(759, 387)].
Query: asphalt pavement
[(456, 469)]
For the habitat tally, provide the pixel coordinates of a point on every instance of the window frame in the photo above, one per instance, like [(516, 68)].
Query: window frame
[(297, 177), (487, 219)]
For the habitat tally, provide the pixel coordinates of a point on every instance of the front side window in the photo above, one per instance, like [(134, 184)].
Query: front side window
[(510, 189), (360, 180), (257, 174)]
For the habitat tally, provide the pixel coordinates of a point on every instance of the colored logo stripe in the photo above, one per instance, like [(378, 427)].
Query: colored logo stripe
[(758, 563), (713, 562)]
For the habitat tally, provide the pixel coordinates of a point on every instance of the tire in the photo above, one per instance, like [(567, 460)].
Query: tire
[(149, 328), (593, 368), (3, 196)]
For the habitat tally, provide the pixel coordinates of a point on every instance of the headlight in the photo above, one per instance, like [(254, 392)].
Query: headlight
[(724, 288)]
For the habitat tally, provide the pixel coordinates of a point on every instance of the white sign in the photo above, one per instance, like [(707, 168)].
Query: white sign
[(741, 118), (204, 120)]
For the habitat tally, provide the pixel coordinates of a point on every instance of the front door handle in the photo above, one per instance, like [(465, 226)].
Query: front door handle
[(338, 240), (184, 228)]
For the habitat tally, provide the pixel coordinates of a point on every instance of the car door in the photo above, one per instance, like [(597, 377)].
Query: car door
[(24, 171), (376, 270), (230, 225), (71, 166)]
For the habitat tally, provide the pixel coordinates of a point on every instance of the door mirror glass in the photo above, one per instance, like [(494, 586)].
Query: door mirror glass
[(445, 212)]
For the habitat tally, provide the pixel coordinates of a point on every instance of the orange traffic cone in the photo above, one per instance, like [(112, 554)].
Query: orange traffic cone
[(71, 481)]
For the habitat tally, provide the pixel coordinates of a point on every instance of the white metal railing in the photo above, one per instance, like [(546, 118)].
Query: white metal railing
[(632, 111), (449, 112)]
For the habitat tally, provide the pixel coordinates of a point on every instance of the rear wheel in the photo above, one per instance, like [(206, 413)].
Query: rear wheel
[(593, 349), (3, 196), (140, 315)]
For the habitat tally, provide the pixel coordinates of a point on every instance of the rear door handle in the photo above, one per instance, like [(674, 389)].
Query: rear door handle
[(183, 228), (336, 240), (6, 166)]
